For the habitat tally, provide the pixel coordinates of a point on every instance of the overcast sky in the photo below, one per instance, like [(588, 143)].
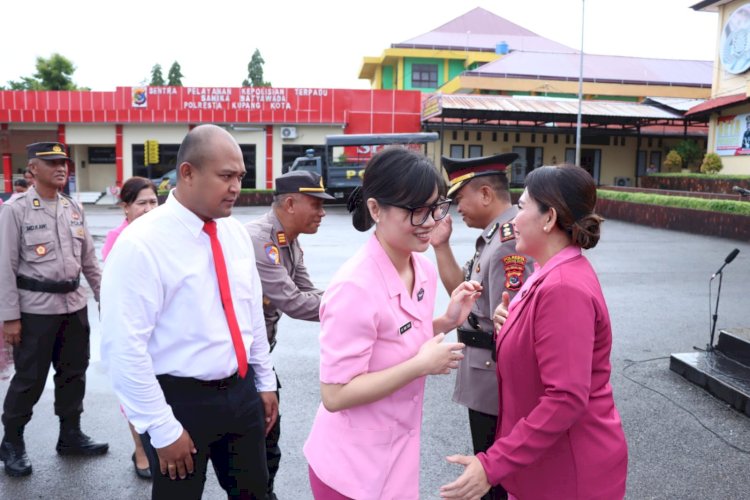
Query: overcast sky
[(308, 43)]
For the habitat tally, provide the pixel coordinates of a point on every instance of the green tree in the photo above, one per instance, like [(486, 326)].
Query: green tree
[(157, 79), (54, 73), (689, 151), (255, 72), (174, 78)]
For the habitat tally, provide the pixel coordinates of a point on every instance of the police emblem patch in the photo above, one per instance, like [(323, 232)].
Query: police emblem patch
[(507, 233), (272, 253), (36, 203), (514, 266), (41, 250)]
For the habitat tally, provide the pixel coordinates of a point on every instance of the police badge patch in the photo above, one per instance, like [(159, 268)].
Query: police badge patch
[(514, 266), (272, 253)]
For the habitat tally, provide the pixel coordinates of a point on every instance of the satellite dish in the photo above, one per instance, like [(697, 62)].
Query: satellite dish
[(735, 42)]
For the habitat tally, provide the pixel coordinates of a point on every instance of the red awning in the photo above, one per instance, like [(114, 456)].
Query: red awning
[(716, 103)]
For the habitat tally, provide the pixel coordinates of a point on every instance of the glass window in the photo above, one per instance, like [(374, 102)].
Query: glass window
[(475, 151), (457, 151), (424, 76)]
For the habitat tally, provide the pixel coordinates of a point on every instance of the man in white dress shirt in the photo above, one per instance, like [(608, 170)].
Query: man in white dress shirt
[(167, 338)]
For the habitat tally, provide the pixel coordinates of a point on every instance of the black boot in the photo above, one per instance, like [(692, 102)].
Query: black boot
[(73, 441), (13, 453)]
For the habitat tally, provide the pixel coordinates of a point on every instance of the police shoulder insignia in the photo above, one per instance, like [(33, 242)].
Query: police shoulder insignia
[(514, 266), (281, 238), (272, 253), (506, 232), (492, 230)]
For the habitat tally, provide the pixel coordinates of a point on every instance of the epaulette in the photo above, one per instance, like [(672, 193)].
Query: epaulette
[(491, 232), (507, 233)]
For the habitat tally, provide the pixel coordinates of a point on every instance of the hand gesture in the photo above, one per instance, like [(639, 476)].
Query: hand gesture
[(441, 233), (438, 357), (501, 312), (472, 484), (462, 300), (177, 458)]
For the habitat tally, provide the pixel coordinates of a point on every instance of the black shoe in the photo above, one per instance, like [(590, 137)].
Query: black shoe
[(142, 473), (16, 460), (75, 442)]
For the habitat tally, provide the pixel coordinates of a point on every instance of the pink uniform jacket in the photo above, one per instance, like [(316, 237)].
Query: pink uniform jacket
[(370, 322), (112, 236), (559, 435)]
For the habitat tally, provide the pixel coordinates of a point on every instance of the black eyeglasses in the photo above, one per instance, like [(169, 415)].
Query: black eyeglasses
[(418, 215)]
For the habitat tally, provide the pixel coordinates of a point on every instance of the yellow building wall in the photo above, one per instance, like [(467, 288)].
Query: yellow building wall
[(616, 160)]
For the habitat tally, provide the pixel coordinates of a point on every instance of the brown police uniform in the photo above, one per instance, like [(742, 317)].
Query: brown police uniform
[(499, 268), (286, 283), (287, 287), (45, 247)]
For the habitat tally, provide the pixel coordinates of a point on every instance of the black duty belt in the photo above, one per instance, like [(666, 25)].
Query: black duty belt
[(34, 285), (477, 338)]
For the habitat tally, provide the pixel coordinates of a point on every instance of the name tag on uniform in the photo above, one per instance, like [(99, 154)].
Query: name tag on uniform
[(405, 328)]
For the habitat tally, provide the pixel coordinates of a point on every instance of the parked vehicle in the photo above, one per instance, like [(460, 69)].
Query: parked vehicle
[(343, 163), (166, 181)]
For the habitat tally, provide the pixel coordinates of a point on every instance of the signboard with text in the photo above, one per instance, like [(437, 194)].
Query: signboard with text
[(733, 135)]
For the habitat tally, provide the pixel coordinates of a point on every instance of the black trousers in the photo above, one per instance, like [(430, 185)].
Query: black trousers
[(61, 340), (226, 423), (273, 451), (483, 428)]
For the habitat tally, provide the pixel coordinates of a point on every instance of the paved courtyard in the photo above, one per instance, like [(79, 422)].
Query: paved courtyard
[(683, 442)]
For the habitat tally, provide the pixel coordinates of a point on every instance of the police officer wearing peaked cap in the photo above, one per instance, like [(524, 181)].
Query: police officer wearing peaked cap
[(479, 188), (297, 209), (46, 246)]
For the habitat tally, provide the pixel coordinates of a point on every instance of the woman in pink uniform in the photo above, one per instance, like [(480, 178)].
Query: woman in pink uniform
[(137, 196), (560, 435), (378, 337)]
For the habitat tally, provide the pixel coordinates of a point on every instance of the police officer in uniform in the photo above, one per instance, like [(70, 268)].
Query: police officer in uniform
[(45, 247), (297, 209), (479, 188)]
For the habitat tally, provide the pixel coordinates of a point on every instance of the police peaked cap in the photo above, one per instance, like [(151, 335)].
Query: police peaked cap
[(460, 171)]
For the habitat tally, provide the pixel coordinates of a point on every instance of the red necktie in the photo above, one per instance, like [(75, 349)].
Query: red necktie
[(226, 297)]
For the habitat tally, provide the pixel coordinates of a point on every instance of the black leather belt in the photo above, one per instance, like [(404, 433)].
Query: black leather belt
[(35, 285), (187, 382), (477, 338)]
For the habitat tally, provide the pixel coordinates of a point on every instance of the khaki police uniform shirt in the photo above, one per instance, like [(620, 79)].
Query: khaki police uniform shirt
[(48, 241), (286, 284), (499, 268)]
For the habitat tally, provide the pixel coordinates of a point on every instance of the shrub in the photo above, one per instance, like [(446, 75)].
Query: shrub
[(726, 206), (711, 164), (673, 160)]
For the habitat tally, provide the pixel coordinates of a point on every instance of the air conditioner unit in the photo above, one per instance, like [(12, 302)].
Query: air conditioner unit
[(623, 181), (288, 132)]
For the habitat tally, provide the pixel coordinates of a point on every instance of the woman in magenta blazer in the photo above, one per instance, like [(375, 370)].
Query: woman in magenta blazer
[(379, 340), (559, 435)]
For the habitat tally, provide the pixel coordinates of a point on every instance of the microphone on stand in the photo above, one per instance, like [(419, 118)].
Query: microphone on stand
[(729, 259), (720, 274)]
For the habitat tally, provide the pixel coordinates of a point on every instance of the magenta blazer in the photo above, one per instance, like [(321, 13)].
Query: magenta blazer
[(559, 434)]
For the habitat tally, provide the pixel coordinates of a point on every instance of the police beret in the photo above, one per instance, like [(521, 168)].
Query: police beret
[(302, 181), (460, 171), (47, 151)]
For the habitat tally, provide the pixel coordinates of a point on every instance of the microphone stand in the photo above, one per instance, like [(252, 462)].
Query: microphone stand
[(720, 274)]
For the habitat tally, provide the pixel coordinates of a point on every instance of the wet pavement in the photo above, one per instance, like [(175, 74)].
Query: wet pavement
[(683, 443)]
